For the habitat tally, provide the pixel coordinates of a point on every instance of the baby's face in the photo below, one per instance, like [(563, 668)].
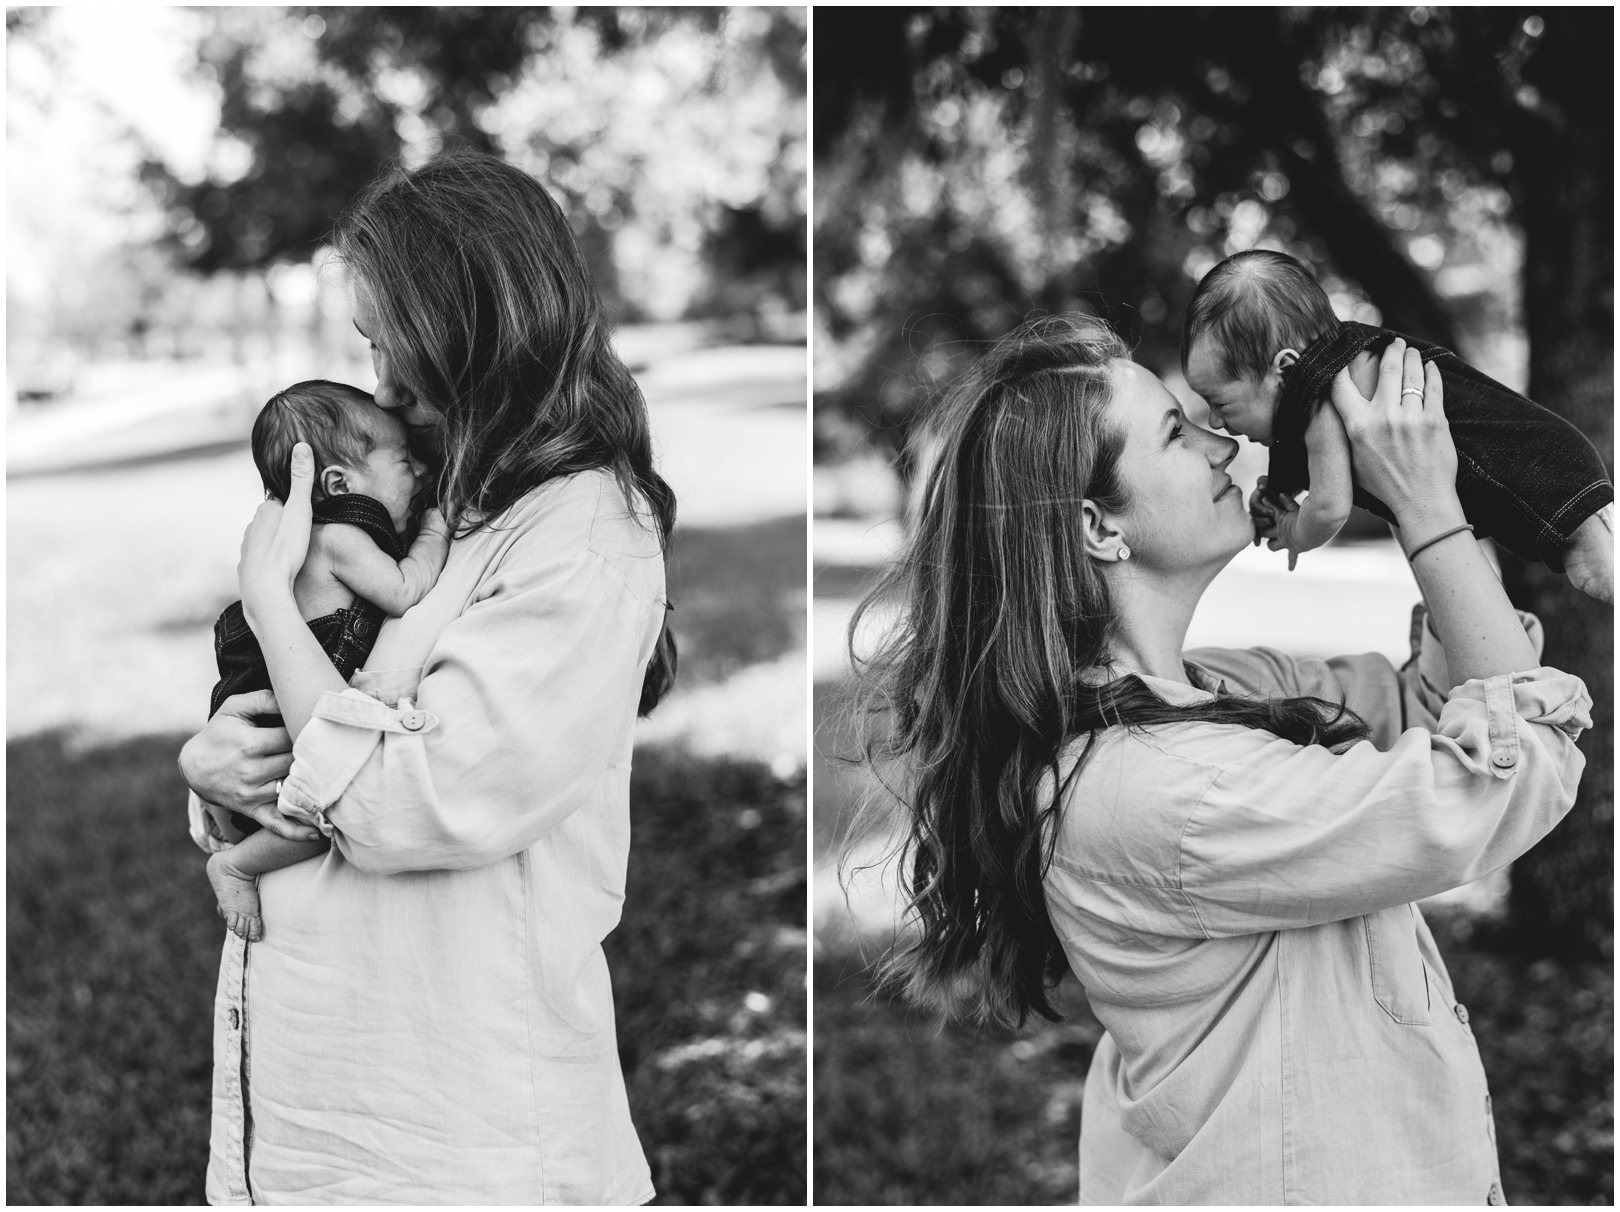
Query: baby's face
[(390, 473), (1237, 405)]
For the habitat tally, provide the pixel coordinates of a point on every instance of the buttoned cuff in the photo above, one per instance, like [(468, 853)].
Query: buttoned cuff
[(1538, 696), (344, 729)]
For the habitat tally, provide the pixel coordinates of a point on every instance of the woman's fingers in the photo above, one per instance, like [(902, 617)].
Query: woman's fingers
[(299, 511), (261, 772), (1412, 379), (269, 742), (1434, 394), (1391, 367), (268, 816), (251, 703)]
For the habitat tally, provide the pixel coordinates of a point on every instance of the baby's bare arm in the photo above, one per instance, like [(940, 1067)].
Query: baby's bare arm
[(367, 570), (1327, 508)]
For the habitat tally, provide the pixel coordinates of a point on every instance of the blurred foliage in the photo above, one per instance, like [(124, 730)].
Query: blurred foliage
[(112, 950), (912, 1111), (660, 129), (1448, 172), (976, 164)]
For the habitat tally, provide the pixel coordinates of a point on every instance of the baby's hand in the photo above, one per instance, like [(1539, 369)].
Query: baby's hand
[(1275, 516), (433, 522)]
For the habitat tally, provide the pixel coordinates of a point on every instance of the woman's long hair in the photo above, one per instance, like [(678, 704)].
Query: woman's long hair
[(487, 310), (991, 671)]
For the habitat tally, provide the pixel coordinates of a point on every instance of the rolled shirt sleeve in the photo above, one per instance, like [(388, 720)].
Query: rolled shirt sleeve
[(1286, 836), (1204, 830), (1390, 700), (524, 702)]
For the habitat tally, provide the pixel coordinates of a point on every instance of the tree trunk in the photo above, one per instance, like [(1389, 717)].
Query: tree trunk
[(1562, 899)]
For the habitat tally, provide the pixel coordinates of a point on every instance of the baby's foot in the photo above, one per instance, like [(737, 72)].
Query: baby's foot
[(238, 897), (1589, 559)]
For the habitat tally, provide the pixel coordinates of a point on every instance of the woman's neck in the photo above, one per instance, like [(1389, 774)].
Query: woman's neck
[(1154, 611)]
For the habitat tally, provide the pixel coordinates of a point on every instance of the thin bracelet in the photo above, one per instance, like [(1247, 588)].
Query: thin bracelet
[(1413, 554)]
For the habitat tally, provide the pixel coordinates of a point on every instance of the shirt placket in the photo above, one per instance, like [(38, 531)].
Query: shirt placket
[(230, 1070)]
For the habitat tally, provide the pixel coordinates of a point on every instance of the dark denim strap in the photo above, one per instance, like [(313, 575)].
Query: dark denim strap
[(365, 512), (1303, 385)]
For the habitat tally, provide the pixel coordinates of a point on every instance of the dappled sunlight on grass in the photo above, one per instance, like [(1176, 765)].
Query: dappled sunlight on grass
[(113, 947)]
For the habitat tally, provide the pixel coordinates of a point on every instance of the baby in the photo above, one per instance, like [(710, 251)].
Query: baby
[(1262, 346), (357, 571)]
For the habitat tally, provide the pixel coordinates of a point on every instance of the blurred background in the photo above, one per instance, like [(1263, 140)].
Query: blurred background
[(1447, 173), (171, 174)]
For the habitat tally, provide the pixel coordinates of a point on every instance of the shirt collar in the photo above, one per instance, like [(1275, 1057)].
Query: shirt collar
[(1205, 685)]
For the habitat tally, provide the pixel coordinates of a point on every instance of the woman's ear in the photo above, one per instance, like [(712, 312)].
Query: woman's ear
[(1101, 534), (333, 482)]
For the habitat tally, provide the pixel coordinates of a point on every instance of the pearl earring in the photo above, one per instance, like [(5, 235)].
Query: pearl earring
[(1124, 552)]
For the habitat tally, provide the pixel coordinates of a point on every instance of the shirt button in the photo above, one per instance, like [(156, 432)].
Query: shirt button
[(1495, 1196), (1487, 1104), (412, 721), (236, 1019), (1504, 760), (1462, 1017)]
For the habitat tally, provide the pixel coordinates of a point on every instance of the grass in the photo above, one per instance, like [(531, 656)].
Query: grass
[(708, 978), (914, 1112), (113, 949), (738, 594)]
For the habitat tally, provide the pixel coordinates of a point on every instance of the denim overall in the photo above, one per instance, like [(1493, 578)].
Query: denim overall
[(1526, 477)]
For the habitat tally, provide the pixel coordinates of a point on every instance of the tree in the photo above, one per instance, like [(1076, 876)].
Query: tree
[(974, 165), (317, 100)]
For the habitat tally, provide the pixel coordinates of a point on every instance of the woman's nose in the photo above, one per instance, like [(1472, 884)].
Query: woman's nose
[(1221, 450)]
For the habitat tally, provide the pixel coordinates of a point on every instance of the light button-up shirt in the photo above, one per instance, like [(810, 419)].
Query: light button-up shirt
[(1280, 1025), (428, 1018)]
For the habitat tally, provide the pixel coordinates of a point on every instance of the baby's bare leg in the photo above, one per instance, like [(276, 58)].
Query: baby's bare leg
[(1589, 560), (234, 874)]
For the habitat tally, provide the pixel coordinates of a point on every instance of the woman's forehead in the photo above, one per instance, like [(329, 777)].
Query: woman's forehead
[(1140, 396), (362, 303)]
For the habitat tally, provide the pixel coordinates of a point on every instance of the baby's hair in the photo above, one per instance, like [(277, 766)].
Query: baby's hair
[(316, 411), (1254, 304)]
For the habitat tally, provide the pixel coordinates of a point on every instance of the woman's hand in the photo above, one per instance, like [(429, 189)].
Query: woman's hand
[(235, 766), (276, 543), (1400, 443), (1401, 447)]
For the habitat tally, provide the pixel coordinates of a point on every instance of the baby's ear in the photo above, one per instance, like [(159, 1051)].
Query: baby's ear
[(333, 482), (1284, 359)]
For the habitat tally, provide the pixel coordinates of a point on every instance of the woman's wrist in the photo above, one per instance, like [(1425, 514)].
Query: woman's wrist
[(1420, 521), (267, 607)]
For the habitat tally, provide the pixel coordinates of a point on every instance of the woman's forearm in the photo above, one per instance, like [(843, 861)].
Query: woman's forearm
[(1404, 455), (300, 671), (1482, 633)]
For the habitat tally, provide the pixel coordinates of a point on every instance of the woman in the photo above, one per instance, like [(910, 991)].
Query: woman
[(428, 1018), (1224, 850)]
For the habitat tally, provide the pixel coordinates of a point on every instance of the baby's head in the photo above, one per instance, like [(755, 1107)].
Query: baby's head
[(358, 447), (1251, 316)]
